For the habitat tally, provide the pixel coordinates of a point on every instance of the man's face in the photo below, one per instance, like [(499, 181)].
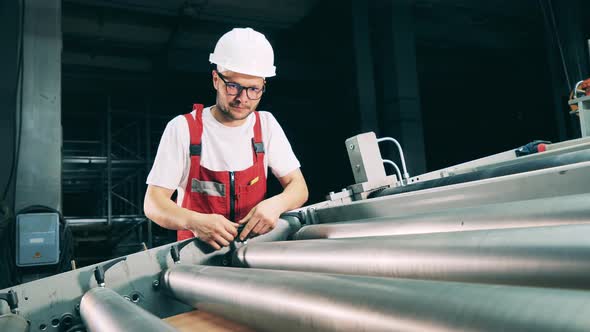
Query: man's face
[(237, 107)]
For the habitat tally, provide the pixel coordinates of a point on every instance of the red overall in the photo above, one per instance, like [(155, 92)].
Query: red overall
[(229, 193)]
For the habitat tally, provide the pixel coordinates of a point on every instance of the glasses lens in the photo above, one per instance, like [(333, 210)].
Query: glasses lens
[(254, 93), (233, 88)]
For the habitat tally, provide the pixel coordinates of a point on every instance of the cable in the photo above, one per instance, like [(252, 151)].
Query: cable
[(561, 53), (552, 27), (399, 174), (8, 275), (19, 97), (401, 154), (575, 91), (9, 240)]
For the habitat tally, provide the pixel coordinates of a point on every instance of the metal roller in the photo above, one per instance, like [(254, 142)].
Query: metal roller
[(286, 226), (103, 310), (533, 213), (524, 166), (556, 256), (13, 323), (545, 183), (298, 301)]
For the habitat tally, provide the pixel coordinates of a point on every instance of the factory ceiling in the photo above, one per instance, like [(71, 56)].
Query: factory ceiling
[(145, 36)]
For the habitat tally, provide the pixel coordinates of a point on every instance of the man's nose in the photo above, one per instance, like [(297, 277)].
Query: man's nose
[(242, 96)]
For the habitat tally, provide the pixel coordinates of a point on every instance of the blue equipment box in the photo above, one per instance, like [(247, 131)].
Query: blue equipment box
[(37, 239)]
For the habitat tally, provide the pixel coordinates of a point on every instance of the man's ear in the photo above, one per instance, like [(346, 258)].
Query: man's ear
[(214, 78)]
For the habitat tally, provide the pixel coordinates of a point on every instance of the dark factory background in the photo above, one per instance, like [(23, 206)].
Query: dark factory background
[(453, 80)]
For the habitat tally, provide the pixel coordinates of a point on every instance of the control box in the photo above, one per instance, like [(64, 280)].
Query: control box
[(37, 239)]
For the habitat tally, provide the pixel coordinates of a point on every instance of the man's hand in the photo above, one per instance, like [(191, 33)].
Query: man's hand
[(216, 230), (261, 219)]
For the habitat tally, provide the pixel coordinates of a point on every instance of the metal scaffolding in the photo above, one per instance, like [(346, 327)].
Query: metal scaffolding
[(111, 170)]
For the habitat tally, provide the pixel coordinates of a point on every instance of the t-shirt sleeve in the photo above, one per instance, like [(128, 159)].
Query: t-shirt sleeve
[(281, 158), (167, 170)]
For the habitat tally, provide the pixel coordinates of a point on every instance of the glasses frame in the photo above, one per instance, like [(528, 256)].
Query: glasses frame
[(240, 88)]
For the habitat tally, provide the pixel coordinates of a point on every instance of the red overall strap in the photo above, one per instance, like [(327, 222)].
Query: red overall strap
[(195, 129), (195, 125)]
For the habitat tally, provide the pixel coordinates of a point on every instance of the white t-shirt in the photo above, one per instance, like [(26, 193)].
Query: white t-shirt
[(223, 148)]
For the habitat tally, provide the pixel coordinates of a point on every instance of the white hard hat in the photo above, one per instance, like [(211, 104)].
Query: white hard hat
[(244, 51)]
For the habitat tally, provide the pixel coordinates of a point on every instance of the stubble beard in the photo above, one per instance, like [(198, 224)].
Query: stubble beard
[(228, 115)]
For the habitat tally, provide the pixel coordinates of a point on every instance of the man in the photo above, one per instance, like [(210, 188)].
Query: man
[(217, 157)]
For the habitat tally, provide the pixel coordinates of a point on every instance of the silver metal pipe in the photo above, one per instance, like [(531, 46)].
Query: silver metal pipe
[(297, 301), (574, 209), (101, 224), (103, 310), (557, 256), (401, 156), (285, 228), (13, 323), (565, 180), (397, 171)]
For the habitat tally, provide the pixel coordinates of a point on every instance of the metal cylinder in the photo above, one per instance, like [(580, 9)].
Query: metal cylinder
[(542, 162), (286, 226), (13, 323), (297, 301), (103, 310), (553, 182), (556, 256), (572, 209)]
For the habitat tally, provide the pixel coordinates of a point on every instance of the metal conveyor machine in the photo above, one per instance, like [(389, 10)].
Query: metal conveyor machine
[(496, 244)]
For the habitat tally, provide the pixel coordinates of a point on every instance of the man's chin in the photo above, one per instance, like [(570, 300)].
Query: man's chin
[(240, 113)]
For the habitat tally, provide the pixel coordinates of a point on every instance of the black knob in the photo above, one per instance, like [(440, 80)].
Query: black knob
[(100, 270), (11, 299), (177, 247)]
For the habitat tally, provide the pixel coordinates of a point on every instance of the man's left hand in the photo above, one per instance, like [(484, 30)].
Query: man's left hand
[(261, 219)]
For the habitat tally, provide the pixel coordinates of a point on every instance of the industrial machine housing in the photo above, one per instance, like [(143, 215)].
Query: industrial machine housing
[(498, 243)]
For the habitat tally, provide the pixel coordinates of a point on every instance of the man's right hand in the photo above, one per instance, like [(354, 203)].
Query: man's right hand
[(215, 230)]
